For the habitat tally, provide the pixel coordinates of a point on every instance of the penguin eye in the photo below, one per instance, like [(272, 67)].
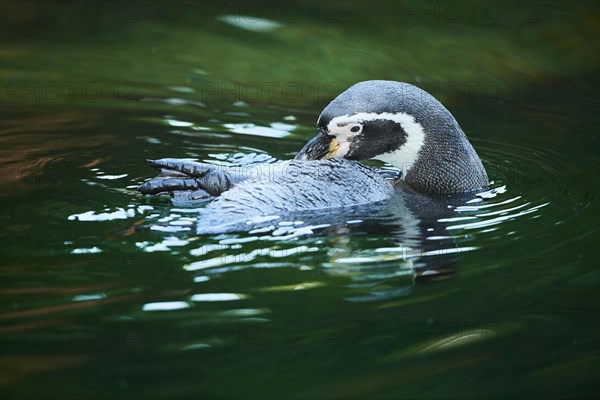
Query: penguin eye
[(355, 128)]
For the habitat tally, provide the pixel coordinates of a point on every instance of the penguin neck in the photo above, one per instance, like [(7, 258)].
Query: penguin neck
[(445, 162)]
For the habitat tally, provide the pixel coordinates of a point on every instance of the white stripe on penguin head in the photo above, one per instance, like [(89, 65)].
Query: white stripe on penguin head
[(402, 158)]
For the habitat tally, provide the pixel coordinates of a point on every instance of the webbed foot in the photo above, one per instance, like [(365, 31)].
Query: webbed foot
[(176, 175)]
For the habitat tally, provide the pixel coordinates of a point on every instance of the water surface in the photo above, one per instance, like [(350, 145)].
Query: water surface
[(109, 294)]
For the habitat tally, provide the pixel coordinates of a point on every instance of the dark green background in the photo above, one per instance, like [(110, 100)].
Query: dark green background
[(85, 91)]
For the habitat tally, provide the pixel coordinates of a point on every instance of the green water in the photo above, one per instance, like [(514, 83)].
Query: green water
[(103, 296)]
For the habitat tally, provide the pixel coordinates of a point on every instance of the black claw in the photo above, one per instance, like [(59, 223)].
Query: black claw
[(152, 163)]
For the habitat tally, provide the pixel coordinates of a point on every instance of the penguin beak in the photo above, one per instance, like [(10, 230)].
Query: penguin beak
[(321, 146)]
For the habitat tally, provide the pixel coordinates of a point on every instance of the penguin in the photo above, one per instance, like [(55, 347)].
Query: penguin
[(402, 125), (394, 122)]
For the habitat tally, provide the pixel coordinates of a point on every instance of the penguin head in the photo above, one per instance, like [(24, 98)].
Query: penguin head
[(404, 126)]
